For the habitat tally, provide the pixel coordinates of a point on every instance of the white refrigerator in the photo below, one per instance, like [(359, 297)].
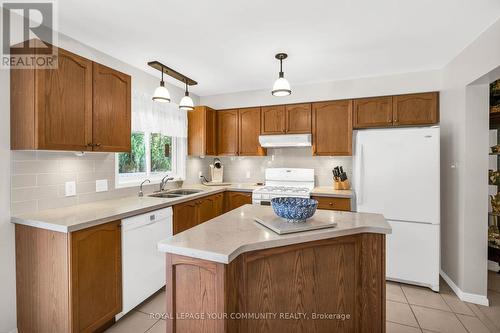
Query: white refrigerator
[(396, 173)]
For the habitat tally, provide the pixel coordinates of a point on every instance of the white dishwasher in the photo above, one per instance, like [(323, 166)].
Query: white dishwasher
[(143, 266)]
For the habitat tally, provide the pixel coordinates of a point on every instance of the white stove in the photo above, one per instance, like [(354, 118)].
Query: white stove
[(284, 182)]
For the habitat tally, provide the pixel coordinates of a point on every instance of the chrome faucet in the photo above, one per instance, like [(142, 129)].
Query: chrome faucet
[(141, 194), (164, 181)]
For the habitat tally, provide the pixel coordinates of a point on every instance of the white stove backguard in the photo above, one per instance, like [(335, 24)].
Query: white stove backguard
[(290, 177)]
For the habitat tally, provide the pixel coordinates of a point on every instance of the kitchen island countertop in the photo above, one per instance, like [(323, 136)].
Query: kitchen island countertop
[(227, 236)]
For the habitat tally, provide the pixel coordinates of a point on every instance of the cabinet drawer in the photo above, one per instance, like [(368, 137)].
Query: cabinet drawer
[(332, 203)]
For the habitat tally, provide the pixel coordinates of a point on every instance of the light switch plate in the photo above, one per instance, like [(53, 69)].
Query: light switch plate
[(101, 185), (248, 174), (70, 189)]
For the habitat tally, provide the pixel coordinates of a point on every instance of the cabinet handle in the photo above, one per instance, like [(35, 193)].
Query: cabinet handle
[(97, 144), (90, 144), (330, 203)]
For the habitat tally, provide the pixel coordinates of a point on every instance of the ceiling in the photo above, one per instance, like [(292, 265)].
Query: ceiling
[(229, 45)]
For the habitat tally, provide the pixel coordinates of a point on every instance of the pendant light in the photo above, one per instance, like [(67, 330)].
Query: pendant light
[(281, 86), (161, 93), (186, 102)]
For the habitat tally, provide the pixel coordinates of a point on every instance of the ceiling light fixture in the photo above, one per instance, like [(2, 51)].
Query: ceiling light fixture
[(161, 93), (281, 86), (186, 102)]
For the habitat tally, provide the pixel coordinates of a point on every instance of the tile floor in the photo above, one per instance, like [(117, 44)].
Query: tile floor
[(409, 310)]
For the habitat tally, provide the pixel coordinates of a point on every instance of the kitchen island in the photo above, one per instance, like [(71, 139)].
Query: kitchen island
[(231, 274)]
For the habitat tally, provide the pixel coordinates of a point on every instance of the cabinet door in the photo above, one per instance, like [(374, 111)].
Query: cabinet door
[(249, 131), (96, 278), (210, 131), (298, 118), (185, 216), (64, 104), (273, 120), (219, 204), (227, 130), (196, 131), (236, 199), (416, 109), (332, 128), (373, 112), (207, 208), (111, 110)]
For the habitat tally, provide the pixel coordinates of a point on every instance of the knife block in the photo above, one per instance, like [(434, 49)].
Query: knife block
[(341, 185)]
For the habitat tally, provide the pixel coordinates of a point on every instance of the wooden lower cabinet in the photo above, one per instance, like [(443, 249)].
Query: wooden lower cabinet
[(68, 282), (235, 199), (333, 203), (185, 216), (344, 275), (191, 213)]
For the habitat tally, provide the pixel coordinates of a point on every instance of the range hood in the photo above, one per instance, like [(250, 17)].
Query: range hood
[(285, 140)]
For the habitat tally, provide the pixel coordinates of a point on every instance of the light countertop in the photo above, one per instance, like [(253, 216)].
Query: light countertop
[(225, 237), (73, 218)]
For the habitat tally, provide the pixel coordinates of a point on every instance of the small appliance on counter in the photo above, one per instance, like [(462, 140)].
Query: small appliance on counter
[(216, 171)]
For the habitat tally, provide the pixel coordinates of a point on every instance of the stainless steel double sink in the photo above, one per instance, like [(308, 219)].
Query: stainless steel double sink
[(175, 193)]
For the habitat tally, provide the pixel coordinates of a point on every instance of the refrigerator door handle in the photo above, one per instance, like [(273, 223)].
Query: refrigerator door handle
[(360, 172)]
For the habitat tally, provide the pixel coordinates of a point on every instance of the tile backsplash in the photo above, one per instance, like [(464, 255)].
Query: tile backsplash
[(38, 179), (251, 168)]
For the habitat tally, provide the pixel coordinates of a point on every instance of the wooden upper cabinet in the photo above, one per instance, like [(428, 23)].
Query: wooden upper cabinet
[(111, 109), (273, 119), (298, 118), (332, 128), (416, 109), (52, 108), (96, 277), (80, 106), (373, 112), (227, 130), (202, 126), (249, 131)]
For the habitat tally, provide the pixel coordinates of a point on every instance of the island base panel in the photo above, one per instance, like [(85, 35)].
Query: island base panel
[(333, 285)]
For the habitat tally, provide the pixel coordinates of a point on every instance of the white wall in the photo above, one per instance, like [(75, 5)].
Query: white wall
[(7, 255), (464, 143), (363, 87)]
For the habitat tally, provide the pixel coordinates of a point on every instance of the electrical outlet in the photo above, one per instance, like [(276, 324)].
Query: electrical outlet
[(101, 185), (70, 189), (200, 174)]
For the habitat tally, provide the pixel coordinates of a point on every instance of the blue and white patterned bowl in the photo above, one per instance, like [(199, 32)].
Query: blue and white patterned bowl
[(294, 209)]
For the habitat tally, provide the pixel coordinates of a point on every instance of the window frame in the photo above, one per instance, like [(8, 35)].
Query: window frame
[(135, 179)]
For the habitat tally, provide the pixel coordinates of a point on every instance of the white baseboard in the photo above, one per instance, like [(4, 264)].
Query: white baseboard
[(493, 266), (466, 297)]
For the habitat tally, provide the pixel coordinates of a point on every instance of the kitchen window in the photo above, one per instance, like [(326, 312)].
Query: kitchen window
[(158, 143)]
